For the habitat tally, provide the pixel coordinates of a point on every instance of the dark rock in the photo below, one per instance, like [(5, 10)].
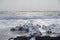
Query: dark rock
[(47, 38), (20, 38)]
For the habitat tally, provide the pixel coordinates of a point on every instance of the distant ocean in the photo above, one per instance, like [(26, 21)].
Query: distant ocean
[(30, 15)]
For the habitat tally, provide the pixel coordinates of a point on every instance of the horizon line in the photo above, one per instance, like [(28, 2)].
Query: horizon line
[(31, 11)]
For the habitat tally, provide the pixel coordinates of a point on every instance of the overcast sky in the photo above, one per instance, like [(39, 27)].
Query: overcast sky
[(29, 5)]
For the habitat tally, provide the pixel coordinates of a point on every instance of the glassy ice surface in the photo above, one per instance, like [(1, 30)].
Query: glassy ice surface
[(33, 38)]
